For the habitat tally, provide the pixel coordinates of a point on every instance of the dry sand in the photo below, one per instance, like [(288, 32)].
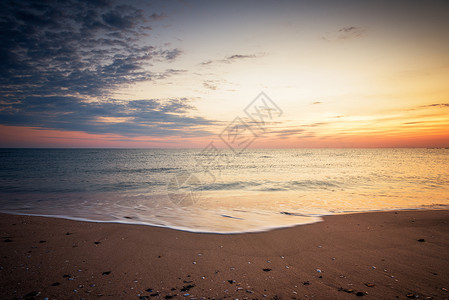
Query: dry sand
[(385, 255)]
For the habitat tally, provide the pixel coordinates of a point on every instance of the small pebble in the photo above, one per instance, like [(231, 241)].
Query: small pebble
[(266, 270)]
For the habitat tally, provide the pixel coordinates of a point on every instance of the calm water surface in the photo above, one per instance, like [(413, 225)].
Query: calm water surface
[(189, 190)]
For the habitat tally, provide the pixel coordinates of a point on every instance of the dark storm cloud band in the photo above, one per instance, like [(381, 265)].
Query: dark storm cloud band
[(153, 117), (56, 54), (74, 47)]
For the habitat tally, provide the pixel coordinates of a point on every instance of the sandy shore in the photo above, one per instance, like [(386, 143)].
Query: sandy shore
[(386, 255)]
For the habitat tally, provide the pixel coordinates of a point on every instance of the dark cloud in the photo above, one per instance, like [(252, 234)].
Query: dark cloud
[(54, 55), (123, 17), (151, 117), (171, 54), (74, 48), (433, 105), (158, 17), (232, 58), (348, 29), (351, 32), (347, 33), (240, 56), (437, 105)]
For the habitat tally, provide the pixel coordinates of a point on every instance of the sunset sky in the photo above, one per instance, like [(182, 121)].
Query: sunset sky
[(176, 74)]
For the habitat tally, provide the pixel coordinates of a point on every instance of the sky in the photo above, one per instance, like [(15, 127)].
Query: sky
[(261, 74)]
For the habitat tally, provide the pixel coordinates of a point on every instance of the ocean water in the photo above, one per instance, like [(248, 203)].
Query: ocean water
[(220, 192)]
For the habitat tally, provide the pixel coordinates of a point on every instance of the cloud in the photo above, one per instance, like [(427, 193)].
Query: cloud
[(207, 62), (210, 84), (412, 123), (442, 105), (122, 17), (171, 54), (316, 124), (288, 132), (157, 17), (75, 48), (346, 33), (240, 56), (433, 105), (58, 58), (148, 117), (232, 58), (351, 32)]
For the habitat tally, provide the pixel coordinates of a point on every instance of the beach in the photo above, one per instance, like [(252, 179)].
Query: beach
[(197, 150), (377, 255)]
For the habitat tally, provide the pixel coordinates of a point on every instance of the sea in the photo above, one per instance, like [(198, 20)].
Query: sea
[(220, 191)]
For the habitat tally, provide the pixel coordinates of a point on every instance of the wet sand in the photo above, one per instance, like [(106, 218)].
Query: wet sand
[(385, 255)]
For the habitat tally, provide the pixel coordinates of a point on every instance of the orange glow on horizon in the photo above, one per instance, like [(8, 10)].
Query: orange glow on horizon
[(29, 137)]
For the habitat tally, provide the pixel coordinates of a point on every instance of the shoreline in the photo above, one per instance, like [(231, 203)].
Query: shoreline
[(392, 254), (183, 229), (319, 217)]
